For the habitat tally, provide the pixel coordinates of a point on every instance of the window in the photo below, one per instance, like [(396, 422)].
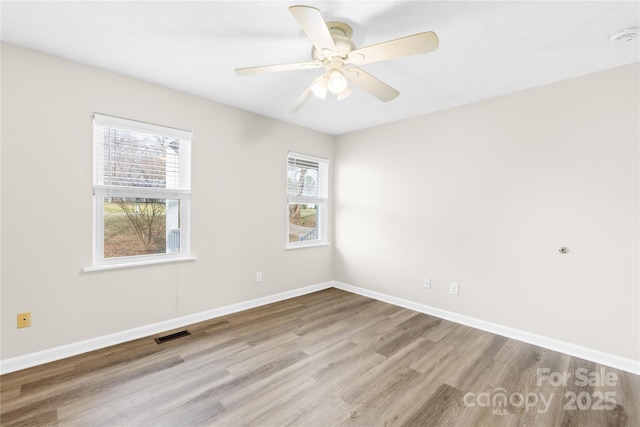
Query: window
[(307, 196), (141, 192)]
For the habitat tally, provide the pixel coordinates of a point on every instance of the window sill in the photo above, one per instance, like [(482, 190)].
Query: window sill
[(307, 245), (137, 264)]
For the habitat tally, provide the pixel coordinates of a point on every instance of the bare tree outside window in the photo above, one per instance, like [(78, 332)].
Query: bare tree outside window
[(147, 219), (296, 210)]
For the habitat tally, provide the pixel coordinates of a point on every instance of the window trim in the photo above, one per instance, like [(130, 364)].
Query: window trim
[(322, 202), (100, 191), (138, 264)]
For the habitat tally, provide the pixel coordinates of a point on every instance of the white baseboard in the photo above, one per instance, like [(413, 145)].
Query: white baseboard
[(622, 363), (73, 349), (57, 353)]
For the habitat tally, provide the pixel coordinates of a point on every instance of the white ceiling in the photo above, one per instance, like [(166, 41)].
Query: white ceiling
[(487, 48)]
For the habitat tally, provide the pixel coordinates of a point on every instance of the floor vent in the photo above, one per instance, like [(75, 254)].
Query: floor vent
[(173, 336)]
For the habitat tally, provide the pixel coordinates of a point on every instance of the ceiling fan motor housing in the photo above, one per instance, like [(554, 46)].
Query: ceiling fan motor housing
[(341, 34)]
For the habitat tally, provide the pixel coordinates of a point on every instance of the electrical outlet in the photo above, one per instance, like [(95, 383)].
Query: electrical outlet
[(259, 276), (427, 283), (24, 320), (453, 288)]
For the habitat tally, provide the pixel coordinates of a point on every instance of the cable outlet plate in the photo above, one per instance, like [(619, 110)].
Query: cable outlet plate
[(427, 283)]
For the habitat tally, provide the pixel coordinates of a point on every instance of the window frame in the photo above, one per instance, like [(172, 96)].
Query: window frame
[(322, 202), (182, 193)]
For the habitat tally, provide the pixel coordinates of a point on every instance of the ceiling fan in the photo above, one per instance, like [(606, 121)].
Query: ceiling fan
[(334, 51)]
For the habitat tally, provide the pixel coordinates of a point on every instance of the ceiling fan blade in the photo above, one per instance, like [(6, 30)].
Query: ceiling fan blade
[(346, 92), (314, 27), (303, 98), (250, 71), (405, 46), (366, 81), (318, 87)]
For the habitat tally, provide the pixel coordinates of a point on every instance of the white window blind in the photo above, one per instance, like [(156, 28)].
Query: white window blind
[(134, 159), (307, 179)]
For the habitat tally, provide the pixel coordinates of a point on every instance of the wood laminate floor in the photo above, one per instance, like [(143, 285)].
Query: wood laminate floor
[(330, 358)]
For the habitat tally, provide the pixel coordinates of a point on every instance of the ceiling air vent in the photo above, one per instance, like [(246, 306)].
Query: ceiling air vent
[(626, 35)]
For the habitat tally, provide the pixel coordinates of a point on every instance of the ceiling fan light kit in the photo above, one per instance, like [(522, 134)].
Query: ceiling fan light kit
[(337, 82), (320, 86), (334, 51)]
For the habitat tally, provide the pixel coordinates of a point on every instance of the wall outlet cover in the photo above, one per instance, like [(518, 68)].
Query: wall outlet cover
[(453, 288)]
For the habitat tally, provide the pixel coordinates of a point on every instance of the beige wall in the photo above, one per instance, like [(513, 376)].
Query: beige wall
[(238, 206), (486, 194), (483, 195)]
